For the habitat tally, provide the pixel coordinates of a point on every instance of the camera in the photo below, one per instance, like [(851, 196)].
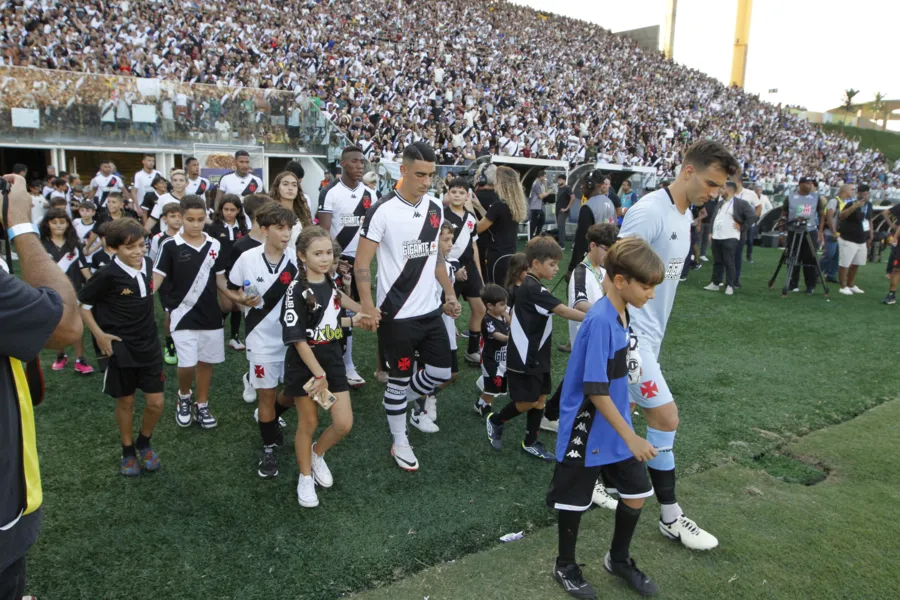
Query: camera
[(796, 226)]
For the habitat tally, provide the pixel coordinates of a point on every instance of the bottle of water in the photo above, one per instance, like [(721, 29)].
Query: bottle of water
[(250, 290)]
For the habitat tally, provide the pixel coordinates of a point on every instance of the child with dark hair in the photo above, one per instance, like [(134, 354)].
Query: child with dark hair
[(515, 275), (117, 306), (528, 354), (102, 257), (228, 225), (171, 217), (61, 242), (494, 337)]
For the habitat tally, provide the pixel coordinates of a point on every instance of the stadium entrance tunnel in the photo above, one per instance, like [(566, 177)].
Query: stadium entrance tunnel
[(788, 468)]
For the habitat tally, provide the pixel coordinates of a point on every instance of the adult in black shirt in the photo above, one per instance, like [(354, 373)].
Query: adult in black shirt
[(564, 200), (484, 196), (501, 224), (856, 237), (892, 216)]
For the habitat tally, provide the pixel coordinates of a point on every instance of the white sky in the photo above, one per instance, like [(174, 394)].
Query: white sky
[(810, 53)]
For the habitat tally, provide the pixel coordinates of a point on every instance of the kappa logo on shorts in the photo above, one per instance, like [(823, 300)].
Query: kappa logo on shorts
[(259, 371), (649, 389), (404, 364)]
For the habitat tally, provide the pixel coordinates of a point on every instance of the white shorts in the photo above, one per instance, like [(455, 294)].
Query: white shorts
[(199, 345), (266, 376), (851, 254), (652, 391)]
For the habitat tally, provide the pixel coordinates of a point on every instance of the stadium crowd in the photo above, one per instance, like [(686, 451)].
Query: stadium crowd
[(500, 79)]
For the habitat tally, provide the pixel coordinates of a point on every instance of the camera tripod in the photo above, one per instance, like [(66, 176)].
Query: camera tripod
[(792, 256)]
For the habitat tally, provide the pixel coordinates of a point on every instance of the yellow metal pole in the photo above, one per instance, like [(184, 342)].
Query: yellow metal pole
[(669, 31), (741, 40)]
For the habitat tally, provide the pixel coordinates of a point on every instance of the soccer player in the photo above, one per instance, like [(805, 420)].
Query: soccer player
[(596, 438), (190, 261), (84, 226), (179, 191), (171, 213), (402, 230), (143, 179), (270, 268), (196, 185), (494, 339), (241, 182), (117, 306), (891, 216), (464, 257), (663, 218), (528, 353), (104, 183), (342, 208)]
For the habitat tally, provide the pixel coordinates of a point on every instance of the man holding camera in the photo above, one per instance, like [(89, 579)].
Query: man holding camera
[(36, 311), (856, 239), (804, 216)]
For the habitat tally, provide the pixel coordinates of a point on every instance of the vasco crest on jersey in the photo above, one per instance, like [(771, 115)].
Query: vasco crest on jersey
[(433, 219)]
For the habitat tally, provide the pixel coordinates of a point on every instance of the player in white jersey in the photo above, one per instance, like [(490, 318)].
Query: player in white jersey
[(143, 180), (241, 182), (663, 218), (342, 207), (195, 184), (402, 228), (105, 182)]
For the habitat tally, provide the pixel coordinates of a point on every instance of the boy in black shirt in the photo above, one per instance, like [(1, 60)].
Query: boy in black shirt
[(102, 257), (171, 214), (189, 263), (528, 353), (494, 336), (117, 306)]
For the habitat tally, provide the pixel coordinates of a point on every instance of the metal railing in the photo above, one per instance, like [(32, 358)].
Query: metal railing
[(64, 107)]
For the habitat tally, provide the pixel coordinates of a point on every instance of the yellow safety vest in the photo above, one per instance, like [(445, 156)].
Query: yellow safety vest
[(33, 493)]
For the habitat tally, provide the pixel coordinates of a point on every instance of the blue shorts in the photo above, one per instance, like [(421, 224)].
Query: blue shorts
[(652, 391)]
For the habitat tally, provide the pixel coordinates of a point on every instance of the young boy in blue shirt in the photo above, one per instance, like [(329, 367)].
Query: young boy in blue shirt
[(595, 436)]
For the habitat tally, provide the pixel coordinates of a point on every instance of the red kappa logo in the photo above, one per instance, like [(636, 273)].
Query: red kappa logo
[(649, 389), (259, 371), (404, 363), (435, 220), (285, 277)]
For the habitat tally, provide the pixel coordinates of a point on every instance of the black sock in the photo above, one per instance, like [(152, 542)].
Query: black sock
[(235, 324), (663, 485), (269, 432), (143, 441), (280, 409), (569, 521), (626, 522), (420, 404), (474, 342), (170, 343), (60, 355), (224, 316), (506, 413), (128, 450), (551, 409), (532, 425)]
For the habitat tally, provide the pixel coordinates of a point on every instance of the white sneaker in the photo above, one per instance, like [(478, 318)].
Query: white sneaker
[(422, 422), (548, 425), (405, 458), (704, 259), (846, 291), (281, 422), (602, 498), (235, 344), (306, 492), (687, 532), (321, 472), (856, 290), (795, 290), (473, 359), (249, 394), (431, 407), (712, 287), (354, 379), (729, 291)]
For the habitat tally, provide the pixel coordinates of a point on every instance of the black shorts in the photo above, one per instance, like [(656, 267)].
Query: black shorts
[(493, 385), (121, 382), (454, 361), (894, 259), (403, 342), (472, 286), (628, 478), (572, 487), (330, 358), (527, 387)]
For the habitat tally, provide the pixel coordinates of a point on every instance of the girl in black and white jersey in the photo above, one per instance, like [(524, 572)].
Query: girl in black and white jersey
[(228, 226), (311, 320)]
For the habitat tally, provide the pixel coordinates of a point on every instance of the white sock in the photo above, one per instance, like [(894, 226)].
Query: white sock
[(669, 513), (202, 404), (348, 356), (184, 396), (397, 424)]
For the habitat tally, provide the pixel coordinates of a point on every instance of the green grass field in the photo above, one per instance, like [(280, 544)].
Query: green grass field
[(751, 373)]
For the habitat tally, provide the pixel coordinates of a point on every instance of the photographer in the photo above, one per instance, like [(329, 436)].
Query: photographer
[(856, 239), (36, 311), (804, 216)]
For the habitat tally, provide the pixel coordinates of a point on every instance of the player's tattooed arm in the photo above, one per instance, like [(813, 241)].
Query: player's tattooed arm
[(363, 276)]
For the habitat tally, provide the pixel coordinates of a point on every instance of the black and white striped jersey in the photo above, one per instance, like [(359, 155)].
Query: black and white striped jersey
[(347, 207), (407, 238), (191, 294), (464, 235), (531, 328)]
